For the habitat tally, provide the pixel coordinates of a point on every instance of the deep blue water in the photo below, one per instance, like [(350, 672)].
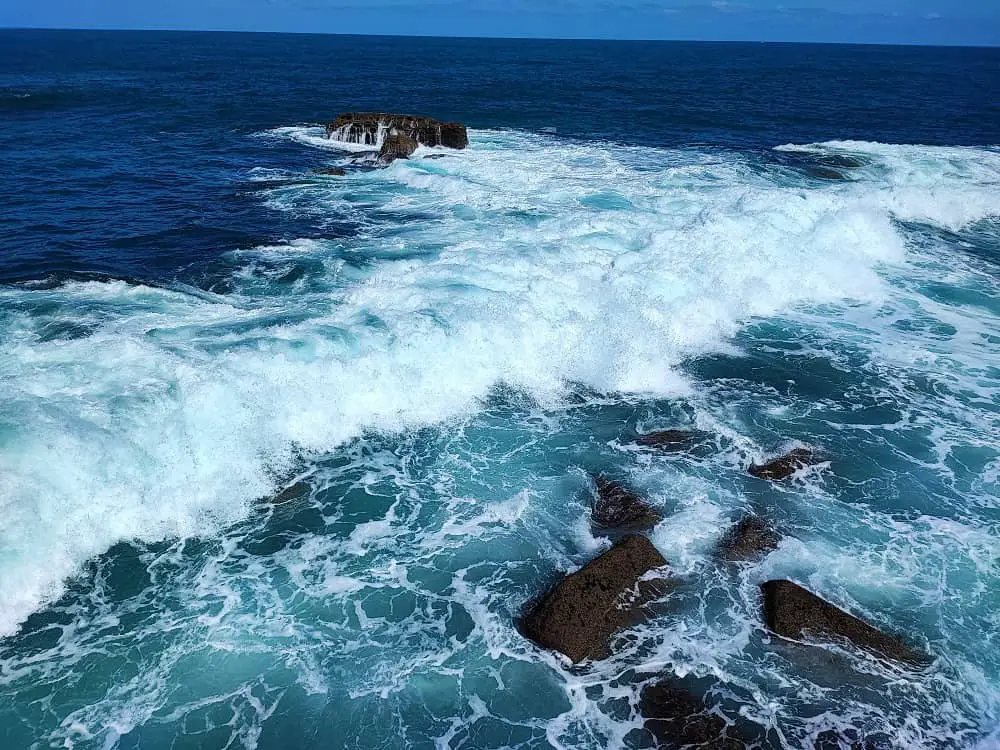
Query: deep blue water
[(777, 244)]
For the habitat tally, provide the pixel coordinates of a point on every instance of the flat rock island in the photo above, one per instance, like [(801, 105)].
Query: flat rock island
[(372, 128)]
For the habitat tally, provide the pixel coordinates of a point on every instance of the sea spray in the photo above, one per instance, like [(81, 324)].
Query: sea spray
[(501, 324)]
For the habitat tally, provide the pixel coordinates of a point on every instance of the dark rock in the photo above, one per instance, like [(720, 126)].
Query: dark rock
[(850, 740), (617, 507), (668, 440), (370, 127), (646, 600), (294, 492), (825, 173), (792, 612), (335, 171), (367, 159), (579, 613), (751, 538), (396, 147), (784, 466), (678, 719), (830, 740)]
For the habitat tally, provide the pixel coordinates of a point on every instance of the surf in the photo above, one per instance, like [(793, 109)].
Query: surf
[(527, 267)]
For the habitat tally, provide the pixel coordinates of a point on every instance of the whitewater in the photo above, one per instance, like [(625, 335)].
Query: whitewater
[(435, 386)]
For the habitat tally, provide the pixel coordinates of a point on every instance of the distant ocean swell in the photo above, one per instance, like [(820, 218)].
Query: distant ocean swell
[(497, 309)]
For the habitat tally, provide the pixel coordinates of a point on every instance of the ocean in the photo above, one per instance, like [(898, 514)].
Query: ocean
[(776, 245)]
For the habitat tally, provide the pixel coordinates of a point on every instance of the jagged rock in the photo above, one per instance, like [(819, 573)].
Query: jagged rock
[(784, 466), (371, 128), (668, 440), (334, 171), (579, 614), (748, 539), (793, 612), (617, 507), (678, 719), (396, 147)]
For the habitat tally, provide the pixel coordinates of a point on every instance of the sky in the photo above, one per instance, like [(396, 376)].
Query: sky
[(973, 22)]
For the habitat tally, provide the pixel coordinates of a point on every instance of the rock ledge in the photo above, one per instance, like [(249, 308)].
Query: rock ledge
[(580, 612), (793, 612), (372, 128)]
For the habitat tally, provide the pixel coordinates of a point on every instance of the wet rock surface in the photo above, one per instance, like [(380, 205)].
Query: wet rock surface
[(617, 507), (749, 539), (332, 171), (850, 740), (679, 719), (668, 440), (793, 612), (396, 147), (577, 616), (367, 127), (292, 492), (786, 465)]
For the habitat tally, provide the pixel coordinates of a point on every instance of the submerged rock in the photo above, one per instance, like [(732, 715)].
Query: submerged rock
[(793, 612), (784, 466), (293, 492), (842, 161), (751, 538), (617, 507), (668, 440), (333, 171), (579, 614), (832, 740), (825, 173), (371, 128), (396, 147), (677, 719)]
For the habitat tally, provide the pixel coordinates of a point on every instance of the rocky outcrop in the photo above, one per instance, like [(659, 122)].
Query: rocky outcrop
[(617, 507), (678, 719), (396, 147), (372, 128), (784, 466), (793, 612), (668, 440), (749, 539), (332, 171), (580, 613)]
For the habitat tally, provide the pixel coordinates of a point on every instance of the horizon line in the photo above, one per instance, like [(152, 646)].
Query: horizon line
[(171, 30)]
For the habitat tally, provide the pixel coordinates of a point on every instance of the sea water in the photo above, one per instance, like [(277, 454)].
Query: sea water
[(432, 358)]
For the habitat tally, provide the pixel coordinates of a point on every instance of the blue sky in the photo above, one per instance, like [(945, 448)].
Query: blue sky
[(889, 21)]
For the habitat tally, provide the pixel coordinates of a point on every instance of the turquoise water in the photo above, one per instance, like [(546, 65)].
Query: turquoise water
[(435, 356)]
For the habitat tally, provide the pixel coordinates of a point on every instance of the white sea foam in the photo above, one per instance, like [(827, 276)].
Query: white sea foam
[(315, 136), (948, 186), (549, 262)]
